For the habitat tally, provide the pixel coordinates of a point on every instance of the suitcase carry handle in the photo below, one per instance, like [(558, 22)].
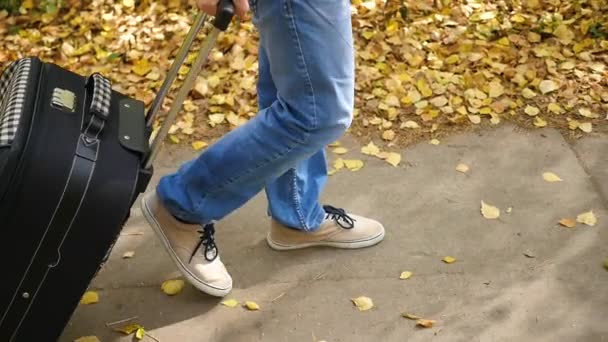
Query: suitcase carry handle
[(100, 90), (224, 16)]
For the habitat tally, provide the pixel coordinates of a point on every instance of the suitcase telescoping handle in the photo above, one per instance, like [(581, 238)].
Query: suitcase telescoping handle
[(224, 15)]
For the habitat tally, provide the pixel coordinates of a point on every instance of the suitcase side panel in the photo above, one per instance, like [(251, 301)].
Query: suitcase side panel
[(94, 228)]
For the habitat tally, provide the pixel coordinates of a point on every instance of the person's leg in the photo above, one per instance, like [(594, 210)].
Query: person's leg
[(312, 67), (292, 197)]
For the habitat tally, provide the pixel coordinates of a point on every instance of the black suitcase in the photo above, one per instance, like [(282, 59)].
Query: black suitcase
[(74, 157)]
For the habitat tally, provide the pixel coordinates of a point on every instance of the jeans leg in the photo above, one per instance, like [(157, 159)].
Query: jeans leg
[(309, 49), (293, 197)]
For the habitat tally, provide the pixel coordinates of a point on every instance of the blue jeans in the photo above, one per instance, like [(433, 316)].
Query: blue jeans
[(306, 98)]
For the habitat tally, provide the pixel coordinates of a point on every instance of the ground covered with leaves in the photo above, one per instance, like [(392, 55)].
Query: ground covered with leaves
[(425, 69)]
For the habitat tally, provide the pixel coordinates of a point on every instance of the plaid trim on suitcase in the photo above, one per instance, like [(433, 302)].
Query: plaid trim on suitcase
[(13, 86)]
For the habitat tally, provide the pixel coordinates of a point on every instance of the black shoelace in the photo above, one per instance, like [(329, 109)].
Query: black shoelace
[(208, 240), (340, 216)]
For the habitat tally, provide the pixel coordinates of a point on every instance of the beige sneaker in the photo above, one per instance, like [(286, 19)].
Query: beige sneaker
[(203, 268), (339, 230)]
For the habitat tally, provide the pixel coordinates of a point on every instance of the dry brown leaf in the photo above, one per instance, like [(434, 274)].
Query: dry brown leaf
[(568, 222), (425, 323)]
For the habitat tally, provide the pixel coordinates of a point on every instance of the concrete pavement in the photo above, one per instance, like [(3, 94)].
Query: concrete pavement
[(493, 292)]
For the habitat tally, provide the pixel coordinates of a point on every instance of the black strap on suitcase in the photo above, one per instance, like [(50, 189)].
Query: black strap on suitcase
[(74, 157)]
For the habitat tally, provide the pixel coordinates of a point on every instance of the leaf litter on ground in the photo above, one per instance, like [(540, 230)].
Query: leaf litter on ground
[(421, 67)]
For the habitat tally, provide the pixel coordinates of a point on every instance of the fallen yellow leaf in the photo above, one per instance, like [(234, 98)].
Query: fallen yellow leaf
[(406, 275), (172, 287), (488, 211), (252, 306), (335, 144), (140, 333), (586, 127), (199, 145), (551, 177), (547, 86), (587, 218), (371, 149), (606, 264), (448, 260), (435, 142), (339, 164), (496, 89), (568, 222), (129, 329), (410, 316), (231, 303), (476, 119), (340, 150), (353, 164), (586, 112), (128, 255), (528, 93), (89, 297), (426, 323), (564, 34), (539, 122), (410, 124), (363, 303), (531, 110), (393, 158), (388, 135), (87, 339), (464, 168), (142, 67), (424, 88), (554, 108), (174, 139)]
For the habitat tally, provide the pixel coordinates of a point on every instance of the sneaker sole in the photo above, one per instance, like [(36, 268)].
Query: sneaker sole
[(211, 290), (343, 245)]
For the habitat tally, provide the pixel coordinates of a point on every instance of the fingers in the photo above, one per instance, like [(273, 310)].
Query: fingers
[(242, 7), (208, 6)]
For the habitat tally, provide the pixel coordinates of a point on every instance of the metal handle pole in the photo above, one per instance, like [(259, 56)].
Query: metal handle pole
[(199, 21), (182, 94)]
